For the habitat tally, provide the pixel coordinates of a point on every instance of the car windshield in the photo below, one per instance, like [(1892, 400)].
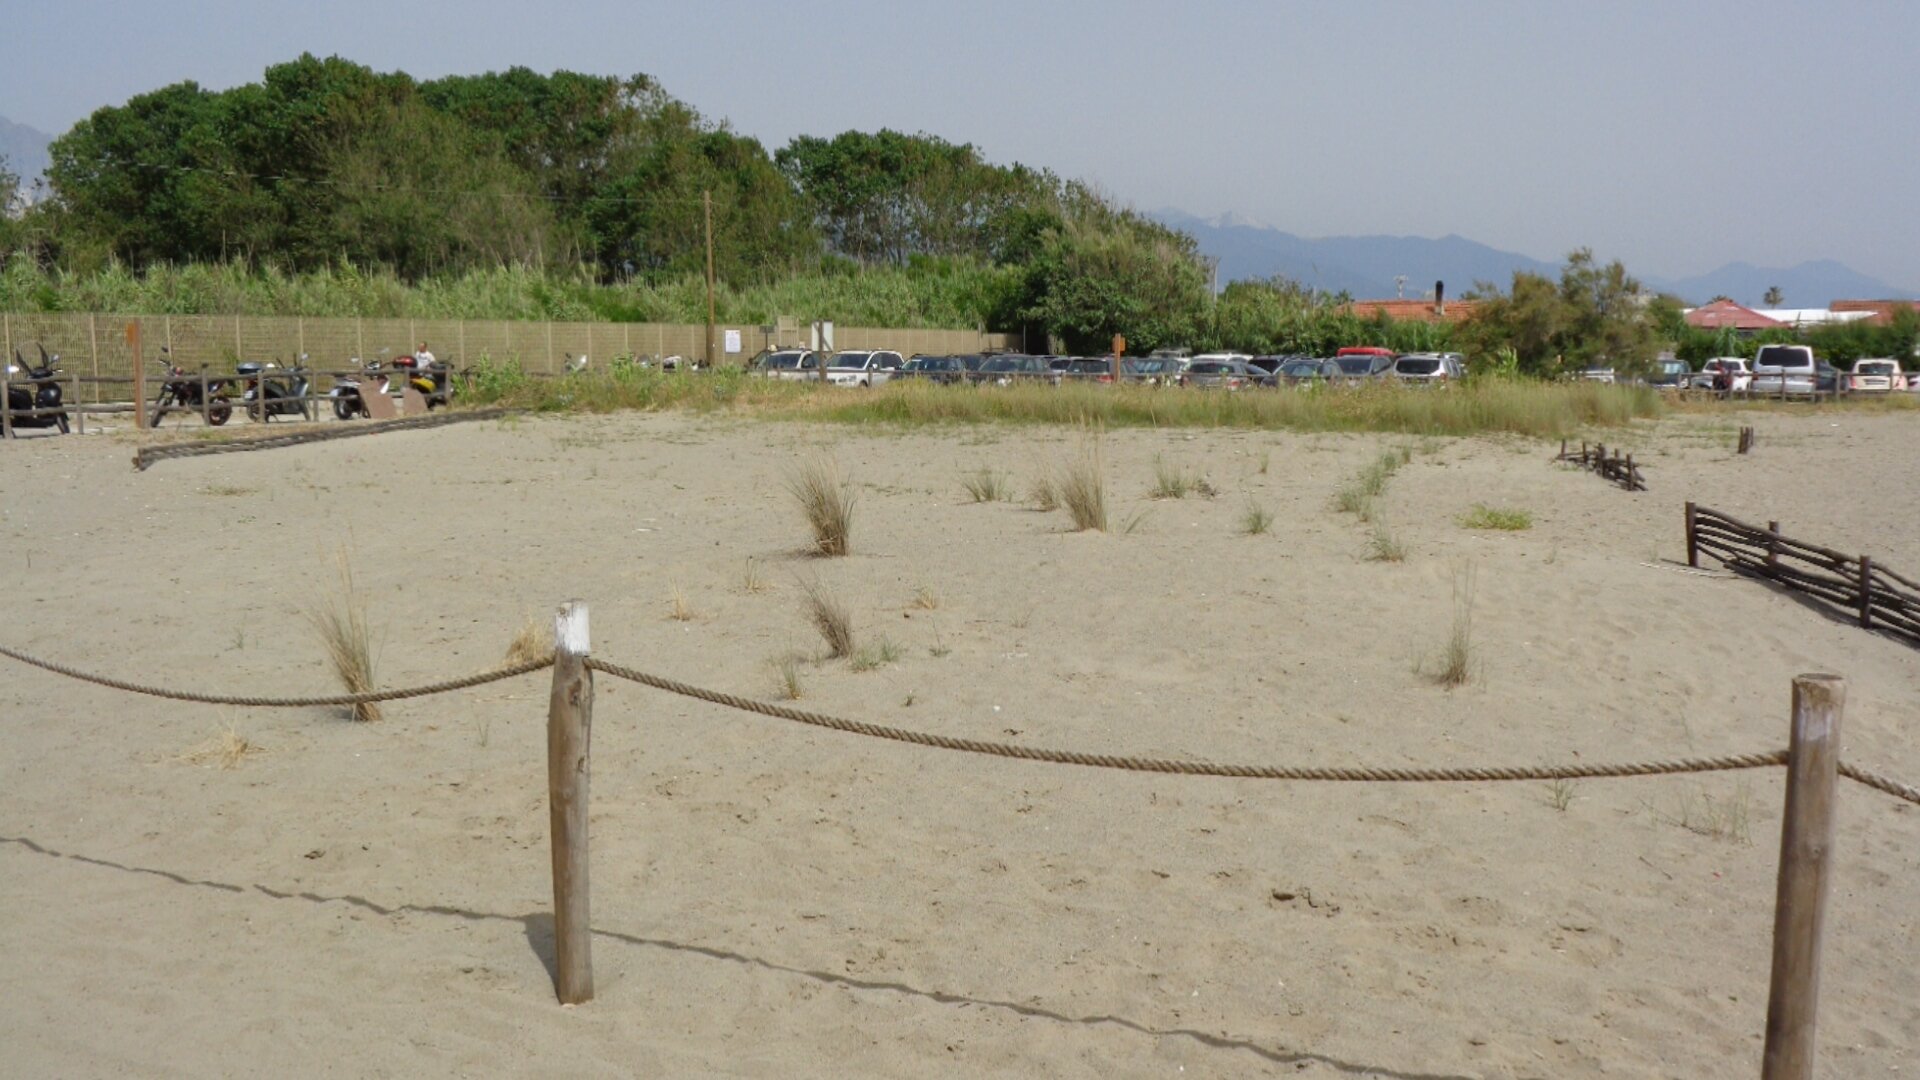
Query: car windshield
[(856, 361), (1001, 363), (1673, 367), (1303, 368), (1876, 369), (1785, 356), (1209, 367), (1356, 365), (1417, 366), (786, 361)]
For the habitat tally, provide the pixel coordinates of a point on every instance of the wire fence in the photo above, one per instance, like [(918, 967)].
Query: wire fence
[(101, 345)]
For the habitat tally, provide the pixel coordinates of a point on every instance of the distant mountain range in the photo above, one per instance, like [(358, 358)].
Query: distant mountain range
[(24, 151), (1366, 266)]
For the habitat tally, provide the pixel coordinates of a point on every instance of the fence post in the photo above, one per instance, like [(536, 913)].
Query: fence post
[(1693, 547), (569, 726), (1866, 592), (6, 400), (1806, 847), (1773, 547), (79, 409)]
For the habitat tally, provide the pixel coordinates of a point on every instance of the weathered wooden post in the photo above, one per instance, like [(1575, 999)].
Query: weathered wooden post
[(1866, 592), (1693, 546), (569, 728), (1806, 848), (1773, 547), (6, 400)]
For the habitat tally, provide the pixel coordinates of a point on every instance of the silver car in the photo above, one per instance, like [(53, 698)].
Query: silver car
[(1427, 369)]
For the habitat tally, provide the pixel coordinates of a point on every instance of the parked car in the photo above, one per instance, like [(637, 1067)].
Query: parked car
[(860, 367), (1723, 374), (1669, 373), (790, 364), (1595, 374), (1364, 365), (1090, 369), (1307, 372), (1784, 371), (1009, 368), (938, 369), (1426, 369), (1151, 370), (1876, 375), (1218, 373)]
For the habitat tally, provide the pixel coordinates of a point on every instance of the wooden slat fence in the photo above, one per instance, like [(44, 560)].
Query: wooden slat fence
[(1877, 596), (1619, 469)]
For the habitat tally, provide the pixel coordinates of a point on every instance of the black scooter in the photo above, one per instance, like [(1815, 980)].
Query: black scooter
[(273, 391), (35, 391), (183, 391)]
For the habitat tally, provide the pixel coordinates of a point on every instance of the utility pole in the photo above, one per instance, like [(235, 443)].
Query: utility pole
[(707, 198)]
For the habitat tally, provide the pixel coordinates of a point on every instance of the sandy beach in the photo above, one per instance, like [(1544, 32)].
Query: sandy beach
[(772, 900)]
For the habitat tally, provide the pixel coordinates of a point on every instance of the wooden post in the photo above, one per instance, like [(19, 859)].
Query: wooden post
[(140, 373), (1633, 482), (706, 198), (206, 407), (1806, 847), (79, 409), (6, 399), (569, 727), (1693, 547), (1773, 546), (1866, 592)]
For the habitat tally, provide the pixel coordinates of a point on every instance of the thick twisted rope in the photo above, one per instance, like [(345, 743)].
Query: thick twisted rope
[(478, 679), (147, 455), (1197, 768), (1881, 783)]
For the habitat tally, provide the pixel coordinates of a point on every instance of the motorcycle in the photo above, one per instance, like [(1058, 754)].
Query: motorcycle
[(347, 403), (38, 393), (433, 380), (273, 391), (182, 391)]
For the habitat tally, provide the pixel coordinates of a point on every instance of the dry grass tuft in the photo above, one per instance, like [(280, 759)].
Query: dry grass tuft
[(826, 501), (830, 617), (225, 750), (925, 599), (341, 621), (678, 607), (1483, 516), (750, 579), (534, 641), (1459, 660), (868, 657), (1256, 519), (1384, 547), (1045, 492), (786, 675), (1169, 481), (985, 486), (1083, 487)]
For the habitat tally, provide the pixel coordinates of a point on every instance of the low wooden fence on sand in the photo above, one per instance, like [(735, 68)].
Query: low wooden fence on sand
[(1854, 585)]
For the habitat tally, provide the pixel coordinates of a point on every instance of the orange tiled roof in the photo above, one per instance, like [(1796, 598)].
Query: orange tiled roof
[(1726, 313), (1457, 311), (1882, 309)]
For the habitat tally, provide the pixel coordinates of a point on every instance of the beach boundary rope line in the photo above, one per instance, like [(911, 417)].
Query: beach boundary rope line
[(251, 701), (147, 455)]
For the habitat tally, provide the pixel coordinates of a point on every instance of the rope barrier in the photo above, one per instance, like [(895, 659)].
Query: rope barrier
[(147, 455), (1198, 768), (1881, 783), (462, 683), (1333, 773)]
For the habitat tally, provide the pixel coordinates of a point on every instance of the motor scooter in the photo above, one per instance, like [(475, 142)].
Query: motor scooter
[(35, 391), (347, 402), (433, 380), (274, 391), (183, 391)]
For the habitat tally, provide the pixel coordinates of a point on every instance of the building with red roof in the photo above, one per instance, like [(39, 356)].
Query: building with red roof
[(1725, 314), (1881, 311), (1426, 311)]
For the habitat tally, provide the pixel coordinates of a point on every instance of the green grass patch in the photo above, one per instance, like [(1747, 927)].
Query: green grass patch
[(1492, 517)]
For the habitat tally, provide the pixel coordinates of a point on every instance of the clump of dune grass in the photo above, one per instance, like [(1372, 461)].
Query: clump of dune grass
[(224, 751), (1383, 546), (1491, 517), (786, 676), (826, 502), (1045, 492), (340, 619), (751, 580), (830, 617), (868, 657), (1560, 793), (533, 641), (1255, 520), (925, 599), (1359, 496), (1169, 481), (985, 486), (1459, 658), (1083, 487), (679, 609)]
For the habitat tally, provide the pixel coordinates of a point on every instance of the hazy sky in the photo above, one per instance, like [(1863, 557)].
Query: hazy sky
[(1675, 136)]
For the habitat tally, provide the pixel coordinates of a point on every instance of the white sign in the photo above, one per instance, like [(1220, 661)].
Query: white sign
[(733, 341)]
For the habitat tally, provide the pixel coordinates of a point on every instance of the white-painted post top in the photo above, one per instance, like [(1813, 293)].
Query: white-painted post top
[(570, 628)]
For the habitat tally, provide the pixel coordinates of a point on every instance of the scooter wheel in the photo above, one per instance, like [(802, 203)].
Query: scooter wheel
[(219, 413), (346, 408)]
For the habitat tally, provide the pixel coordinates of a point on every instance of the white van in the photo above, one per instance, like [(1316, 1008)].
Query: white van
[(1786, 370)]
